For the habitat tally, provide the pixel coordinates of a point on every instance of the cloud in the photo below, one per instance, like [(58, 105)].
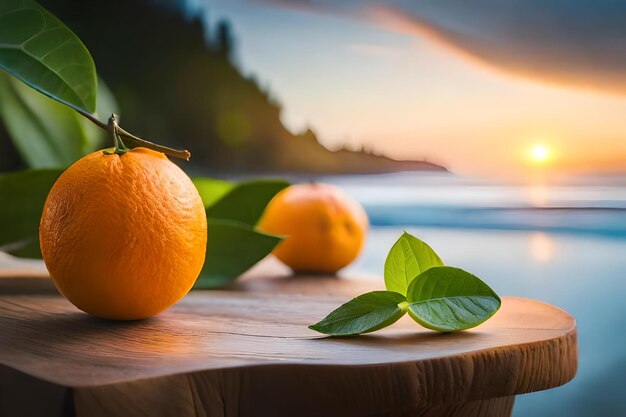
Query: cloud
[(572, 42), (370, 49)]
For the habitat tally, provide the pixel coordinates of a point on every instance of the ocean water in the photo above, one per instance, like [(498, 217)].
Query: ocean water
[(564, 244)]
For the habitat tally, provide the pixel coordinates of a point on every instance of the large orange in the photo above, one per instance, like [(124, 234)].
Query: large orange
[(123, 236), (324, 228)]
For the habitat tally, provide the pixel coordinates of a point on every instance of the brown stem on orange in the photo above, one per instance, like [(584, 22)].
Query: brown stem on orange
[(185, 154), (118, 133)]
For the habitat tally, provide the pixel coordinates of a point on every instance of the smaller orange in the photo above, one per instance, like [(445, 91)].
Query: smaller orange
[(324, 229)]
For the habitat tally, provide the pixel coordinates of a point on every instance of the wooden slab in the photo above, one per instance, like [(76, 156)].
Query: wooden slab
[(251, 354)]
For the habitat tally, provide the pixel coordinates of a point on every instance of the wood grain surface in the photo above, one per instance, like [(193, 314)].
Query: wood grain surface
[(249, 353)]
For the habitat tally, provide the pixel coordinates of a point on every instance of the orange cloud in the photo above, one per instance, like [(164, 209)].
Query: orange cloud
[(553, 61), (580, 44)]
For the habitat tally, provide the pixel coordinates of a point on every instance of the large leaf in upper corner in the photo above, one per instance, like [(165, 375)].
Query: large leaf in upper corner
[(40, 50), (246, 202), (48, 134), (232, 249), (22, 196)]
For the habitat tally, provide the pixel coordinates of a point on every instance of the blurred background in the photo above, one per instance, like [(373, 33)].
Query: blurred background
[(494, 131)]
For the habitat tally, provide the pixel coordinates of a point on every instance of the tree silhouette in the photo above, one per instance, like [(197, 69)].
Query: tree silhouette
[(224, 40)]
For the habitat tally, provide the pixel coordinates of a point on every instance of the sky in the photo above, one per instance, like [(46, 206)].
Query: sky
[(511, 88)]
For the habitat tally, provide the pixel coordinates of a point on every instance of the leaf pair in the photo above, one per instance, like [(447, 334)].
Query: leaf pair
[(234, 244), (438, 297)]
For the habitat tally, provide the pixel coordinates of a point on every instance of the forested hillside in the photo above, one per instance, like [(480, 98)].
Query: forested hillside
[(176, 84)]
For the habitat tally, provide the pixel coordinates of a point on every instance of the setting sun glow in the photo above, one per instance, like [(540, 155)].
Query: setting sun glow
[(540, 153)]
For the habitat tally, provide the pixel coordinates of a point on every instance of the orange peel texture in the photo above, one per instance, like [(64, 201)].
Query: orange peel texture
[(123, 236)]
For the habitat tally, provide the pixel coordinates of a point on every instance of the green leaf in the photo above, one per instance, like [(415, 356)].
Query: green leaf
[(211, 190), (23, 195), (232, 248), (40, 50), (234, 245), (408, 258), (365, 313), (449, 299), (246, 202), (46, 133)]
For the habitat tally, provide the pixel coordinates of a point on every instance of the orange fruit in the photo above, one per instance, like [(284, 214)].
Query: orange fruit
[(324, 228), (123, 236)]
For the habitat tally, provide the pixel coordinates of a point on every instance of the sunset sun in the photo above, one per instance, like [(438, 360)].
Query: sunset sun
[(540, 153)]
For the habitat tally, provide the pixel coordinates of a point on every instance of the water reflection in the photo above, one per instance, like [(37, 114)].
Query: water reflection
[(542, 247)]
